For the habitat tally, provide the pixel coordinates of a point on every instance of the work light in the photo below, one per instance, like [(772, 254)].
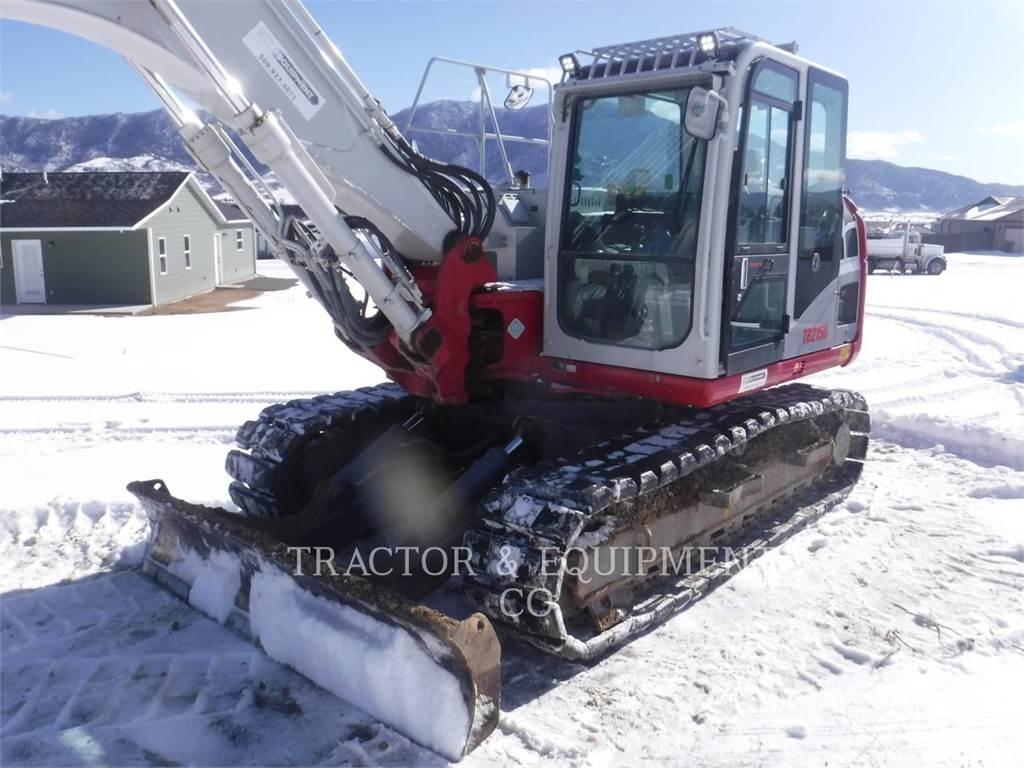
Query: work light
[(708, 43), (569, 63)]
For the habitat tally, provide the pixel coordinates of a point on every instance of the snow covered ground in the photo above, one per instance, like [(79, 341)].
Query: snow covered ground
[(890, 633)]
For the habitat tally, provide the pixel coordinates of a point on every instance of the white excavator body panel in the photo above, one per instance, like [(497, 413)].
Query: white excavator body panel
[(654, 235)]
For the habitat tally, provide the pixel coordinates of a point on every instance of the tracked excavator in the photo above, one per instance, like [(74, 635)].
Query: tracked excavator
[(588, 385)]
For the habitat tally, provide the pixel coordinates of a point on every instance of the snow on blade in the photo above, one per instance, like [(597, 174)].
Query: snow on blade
[(215, 581), (378, 666)]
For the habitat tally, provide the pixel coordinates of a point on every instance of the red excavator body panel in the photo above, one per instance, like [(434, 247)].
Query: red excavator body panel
[(462, 288)]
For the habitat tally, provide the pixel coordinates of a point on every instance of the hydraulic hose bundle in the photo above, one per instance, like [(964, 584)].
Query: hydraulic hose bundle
[(352, 319), (465, 195)]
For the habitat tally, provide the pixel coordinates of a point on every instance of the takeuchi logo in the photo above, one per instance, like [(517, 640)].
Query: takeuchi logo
[(296, 77)]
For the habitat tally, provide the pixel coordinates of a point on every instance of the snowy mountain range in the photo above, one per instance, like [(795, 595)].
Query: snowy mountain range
[(145, 162), (148, 141)]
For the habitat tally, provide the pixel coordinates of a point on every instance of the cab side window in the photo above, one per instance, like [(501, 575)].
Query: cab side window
[(821, 206), (766, 161)]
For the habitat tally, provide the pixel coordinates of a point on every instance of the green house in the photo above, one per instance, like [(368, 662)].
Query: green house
[(116, 239)]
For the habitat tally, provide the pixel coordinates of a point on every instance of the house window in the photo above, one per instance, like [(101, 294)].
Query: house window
[(188, 252), (239, 240), (161, 249)]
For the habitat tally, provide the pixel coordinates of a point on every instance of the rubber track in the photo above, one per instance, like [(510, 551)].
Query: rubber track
[(267, 443), (545, 508)]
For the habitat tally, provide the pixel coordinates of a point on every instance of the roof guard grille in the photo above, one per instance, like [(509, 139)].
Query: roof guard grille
[(660, 53)]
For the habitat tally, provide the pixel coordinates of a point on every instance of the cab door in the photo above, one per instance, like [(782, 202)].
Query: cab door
[(825, 281), (755, 321)]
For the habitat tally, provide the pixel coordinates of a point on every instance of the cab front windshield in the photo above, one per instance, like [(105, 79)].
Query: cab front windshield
[(629, 236)]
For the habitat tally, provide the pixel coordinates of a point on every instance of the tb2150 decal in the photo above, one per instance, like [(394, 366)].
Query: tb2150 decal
[(815, 333)]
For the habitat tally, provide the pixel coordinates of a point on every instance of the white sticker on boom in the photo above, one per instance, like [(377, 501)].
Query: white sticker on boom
[(282, 69), (753, 380)]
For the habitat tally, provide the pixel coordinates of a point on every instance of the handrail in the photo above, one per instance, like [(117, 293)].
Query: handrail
[(486, 107)]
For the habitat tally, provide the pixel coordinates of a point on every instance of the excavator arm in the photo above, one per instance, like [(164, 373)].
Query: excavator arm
[(265, 72)]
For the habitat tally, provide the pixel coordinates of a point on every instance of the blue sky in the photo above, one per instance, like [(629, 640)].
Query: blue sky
[(935, 84)]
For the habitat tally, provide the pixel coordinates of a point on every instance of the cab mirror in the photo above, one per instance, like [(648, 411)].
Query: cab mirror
[(519, 96), (702, 108), (520, 91)]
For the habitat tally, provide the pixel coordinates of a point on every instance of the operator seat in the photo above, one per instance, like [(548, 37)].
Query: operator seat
[(609, 305)]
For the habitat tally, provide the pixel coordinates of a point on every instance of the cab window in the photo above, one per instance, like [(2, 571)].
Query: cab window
[(762, 212), (821, 206), (632, 209)]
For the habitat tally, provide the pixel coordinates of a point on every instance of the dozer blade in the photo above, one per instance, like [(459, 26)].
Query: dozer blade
[(433, 678)]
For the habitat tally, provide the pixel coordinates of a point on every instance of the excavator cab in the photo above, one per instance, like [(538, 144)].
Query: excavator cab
[(697, 225)]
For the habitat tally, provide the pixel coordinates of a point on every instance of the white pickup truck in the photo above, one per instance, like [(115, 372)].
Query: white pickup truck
[(905, 252)]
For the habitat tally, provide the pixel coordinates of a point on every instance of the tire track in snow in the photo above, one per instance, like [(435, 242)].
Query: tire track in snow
[(975, 442), (995, 319), (899, 385), (62, 438), (110, 423), (924, 395), (165, 397), (78, 538), (151, 681), (922, 411), (119, 432), (956, 337)]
